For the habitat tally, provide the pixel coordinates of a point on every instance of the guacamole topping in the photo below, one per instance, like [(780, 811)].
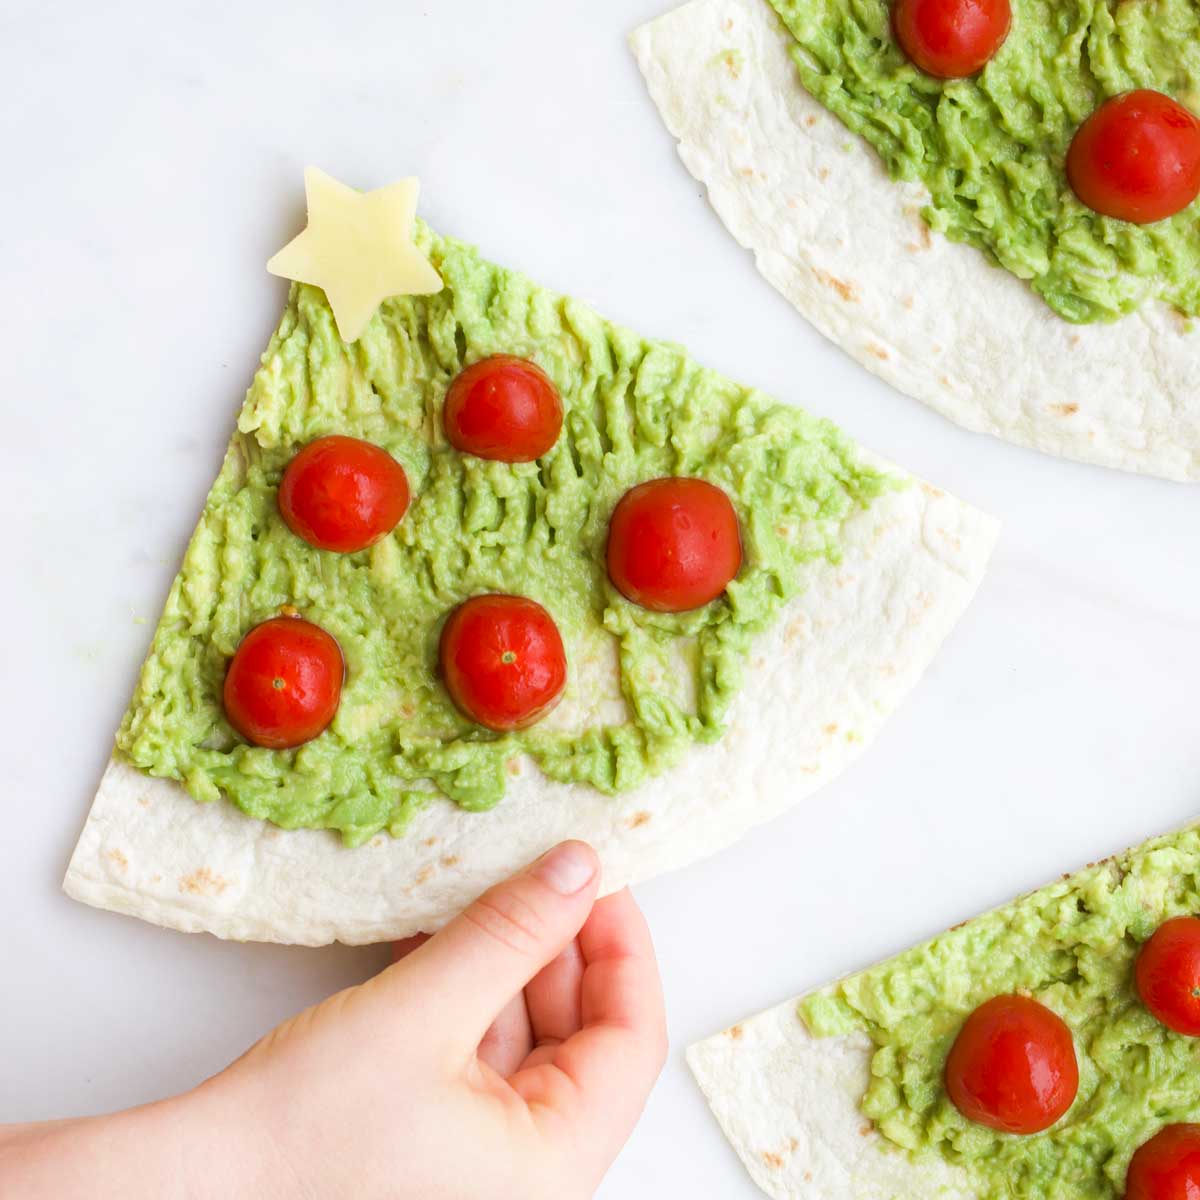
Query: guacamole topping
[(991, 149), (642, 686), (1072, 947)]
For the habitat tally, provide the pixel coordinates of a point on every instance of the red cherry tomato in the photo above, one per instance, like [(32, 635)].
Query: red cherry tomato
[(1168, 974), (343, 494), (503, 408), (951, 39), (284, 683), (503, 661), (1137, 158), (673, 544), (1167, 1167), (1012, 1066)]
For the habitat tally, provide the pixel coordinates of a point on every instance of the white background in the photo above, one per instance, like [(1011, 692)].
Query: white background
[(152, 160)]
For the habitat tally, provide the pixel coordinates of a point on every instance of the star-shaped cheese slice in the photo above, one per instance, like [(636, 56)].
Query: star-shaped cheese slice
[(358, 248)]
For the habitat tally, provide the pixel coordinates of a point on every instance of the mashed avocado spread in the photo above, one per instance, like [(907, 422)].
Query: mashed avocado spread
[(641, 686), (1072, 946), (990, 150)]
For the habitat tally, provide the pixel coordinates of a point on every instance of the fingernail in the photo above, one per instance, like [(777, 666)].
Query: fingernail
[(566, 868)]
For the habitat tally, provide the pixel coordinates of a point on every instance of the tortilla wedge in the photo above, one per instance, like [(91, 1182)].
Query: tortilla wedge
[(789, 1101), (821, 682), (848, 248)]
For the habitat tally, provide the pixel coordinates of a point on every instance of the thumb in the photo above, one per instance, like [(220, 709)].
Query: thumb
[(486, 955)]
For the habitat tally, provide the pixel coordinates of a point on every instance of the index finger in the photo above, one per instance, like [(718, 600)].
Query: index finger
[(603, 1074), (621, 983)]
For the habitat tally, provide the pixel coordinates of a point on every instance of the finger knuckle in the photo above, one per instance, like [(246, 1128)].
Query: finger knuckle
[(510, 919)]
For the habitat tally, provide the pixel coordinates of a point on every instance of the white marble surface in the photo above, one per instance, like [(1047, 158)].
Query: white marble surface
[(153, 158)]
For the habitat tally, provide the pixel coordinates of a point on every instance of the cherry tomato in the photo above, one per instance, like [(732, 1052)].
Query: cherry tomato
[(503, 661), (951, 39), (503, 408), (1137, 158), (1167, 1167), (673, 544), (283, 683), (1168, 974), (1012, 1066), (343, 494)]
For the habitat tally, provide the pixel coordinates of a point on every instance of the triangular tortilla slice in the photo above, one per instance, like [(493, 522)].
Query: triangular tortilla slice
[(789, 1099), (847, 246), (820, 683)]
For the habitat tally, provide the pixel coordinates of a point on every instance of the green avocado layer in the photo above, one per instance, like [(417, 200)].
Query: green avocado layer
[(1071, 945), (991, 149), (642, 687)]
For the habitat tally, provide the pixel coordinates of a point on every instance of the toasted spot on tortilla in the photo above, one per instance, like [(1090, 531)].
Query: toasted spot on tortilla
[(732, 61), (203, 882), (1075, 339), (728, 24), (831, 728), (450, 860), (944, 380), (847, 291), (156, 878), (796, 629), (144, 801), (1064, 410), (793, 1145), (810, 120), (878, 351), (772, 1159), (808, 1177), (909, 302), (822, 173), (378, 840), (424, 875), (791, 202), (118, 859), (952, 538), (638, 820), (430, 841), (736, 1032), (270, 833), (865, 1131), (930, 490)]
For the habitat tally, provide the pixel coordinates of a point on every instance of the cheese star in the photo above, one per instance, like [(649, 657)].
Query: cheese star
[(358, 248)]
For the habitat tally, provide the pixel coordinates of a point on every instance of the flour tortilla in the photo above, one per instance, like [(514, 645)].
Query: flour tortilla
[(788, 1103), (837, 662), (847, 246)]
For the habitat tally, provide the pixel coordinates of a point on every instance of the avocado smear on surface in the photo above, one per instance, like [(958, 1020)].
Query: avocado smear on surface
[(1072, 946), (991, 149), (642, 686)]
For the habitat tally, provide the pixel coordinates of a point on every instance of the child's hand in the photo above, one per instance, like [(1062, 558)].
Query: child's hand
[(509, 1056)]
